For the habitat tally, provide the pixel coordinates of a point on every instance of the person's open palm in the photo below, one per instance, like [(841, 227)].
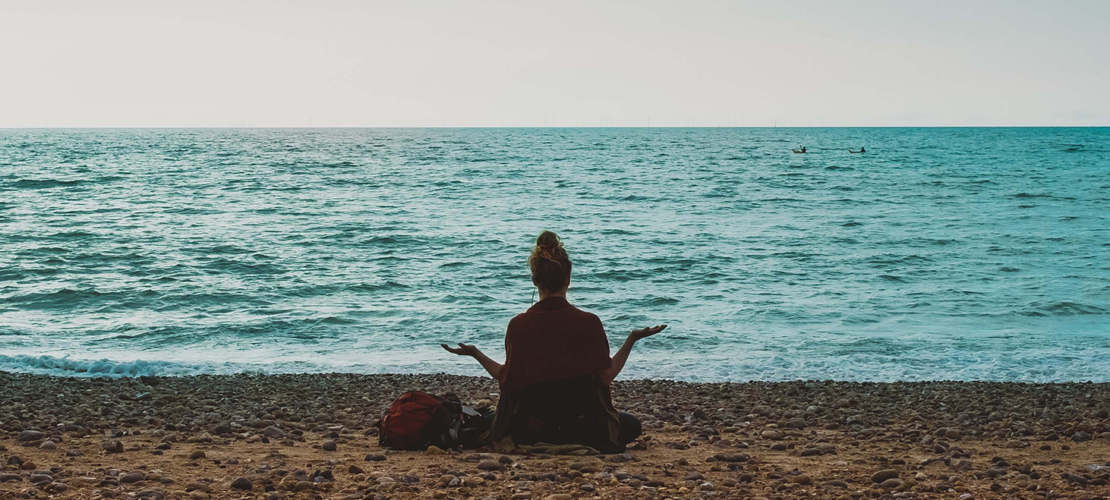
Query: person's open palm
[(646, 332), (461, 350)]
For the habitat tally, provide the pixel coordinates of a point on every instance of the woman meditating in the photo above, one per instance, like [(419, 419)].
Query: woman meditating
[(557, 371)]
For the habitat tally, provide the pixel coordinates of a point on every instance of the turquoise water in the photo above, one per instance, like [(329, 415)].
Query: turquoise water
[(938, 254)]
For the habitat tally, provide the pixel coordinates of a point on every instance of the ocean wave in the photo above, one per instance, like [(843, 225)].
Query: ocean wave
[(43, 183), (863, 362), (1062, 308), (64, 366)]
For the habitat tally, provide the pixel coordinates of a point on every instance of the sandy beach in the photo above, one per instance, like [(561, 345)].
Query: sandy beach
[(312, 436)]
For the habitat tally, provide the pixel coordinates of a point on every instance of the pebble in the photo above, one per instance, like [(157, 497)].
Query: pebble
[(113, 447), (489, 465), (132, 477), (883, 475), (329, 446), (242, 483), (891, 483), (801, 479), (374, 457), (197, 455), (30, 435), (434, 450), (771, 434), (48, 445)]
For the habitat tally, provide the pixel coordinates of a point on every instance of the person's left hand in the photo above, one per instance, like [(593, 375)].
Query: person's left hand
[(646, 332), (462, 350)]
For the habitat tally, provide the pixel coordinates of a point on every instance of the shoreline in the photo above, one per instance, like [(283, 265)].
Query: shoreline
[(204, 436)]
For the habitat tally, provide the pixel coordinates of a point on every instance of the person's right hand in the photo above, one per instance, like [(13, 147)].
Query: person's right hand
[(462, 350), (646, 332)]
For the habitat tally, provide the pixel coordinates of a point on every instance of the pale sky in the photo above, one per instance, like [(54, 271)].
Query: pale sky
[(323, 63)]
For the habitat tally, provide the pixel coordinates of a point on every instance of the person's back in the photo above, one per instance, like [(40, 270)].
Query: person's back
[(557, 370)]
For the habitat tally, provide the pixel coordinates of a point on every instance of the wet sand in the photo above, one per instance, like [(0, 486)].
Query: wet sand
[(312, 436)]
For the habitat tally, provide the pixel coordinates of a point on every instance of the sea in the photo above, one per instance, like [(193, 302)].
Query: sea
[(939, 254)]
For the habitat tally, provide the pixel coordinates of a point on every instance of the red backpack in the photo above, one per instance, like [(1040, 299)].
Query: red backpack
[(416, 420)]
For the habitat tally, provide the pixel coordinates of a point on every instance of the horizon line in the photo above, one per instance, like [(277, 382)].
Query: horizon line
[(356, 127)]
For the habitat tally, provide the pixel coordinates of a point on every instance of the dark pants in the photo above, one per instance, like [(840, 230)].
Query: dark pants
[(630, 429)]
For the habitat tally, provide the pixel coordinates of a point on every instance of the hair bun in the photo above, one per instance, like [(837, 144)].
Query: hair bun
[(548, 240)]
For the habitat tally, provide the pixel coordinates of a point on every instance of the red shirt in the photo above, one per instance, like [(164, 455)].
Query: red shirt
[(553, 340)]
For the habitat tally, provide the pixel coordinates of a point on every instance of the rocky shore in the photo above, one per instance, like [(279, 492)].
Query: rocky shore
[(312, 436)]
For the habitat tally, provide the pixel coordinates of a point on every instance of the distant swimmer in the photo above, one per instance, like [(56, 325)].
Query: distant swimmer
[(861, 150), (799, 151)]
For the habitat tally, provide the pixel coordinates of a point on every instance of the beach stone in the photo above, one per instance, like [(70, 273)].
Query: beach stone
[(693, 476), (434, 450), (113, 447), (374, 457), (558, 496), (25, 436), (48, 445), (801, 479), (329, 445), (273, 432), (772, 434), (197, 455), (132, 477), (883, 475), (56, 487), (489, 465), (891, 483), (6, 478), (1081, 436), (197, 485), (354, 469), (242, 483)]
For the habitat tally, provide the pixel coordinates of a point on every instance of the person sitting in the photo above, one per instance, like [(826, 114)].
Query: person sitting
[(803, 149), (555, 382), (862, 150)]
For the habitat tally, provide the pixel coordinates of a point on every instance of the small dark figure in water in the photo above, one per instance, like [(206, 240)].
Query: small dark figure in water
[(557, 370), (803, 149), (862, 150)]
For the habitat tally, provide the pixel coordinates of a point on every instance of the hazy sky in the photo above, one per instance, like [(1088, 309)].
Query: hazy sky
[(562, 63)]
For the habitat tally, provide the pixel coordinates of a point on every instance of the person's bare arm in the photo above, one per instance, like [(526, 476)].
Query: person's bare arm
[(492, 367), (622, 354)]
